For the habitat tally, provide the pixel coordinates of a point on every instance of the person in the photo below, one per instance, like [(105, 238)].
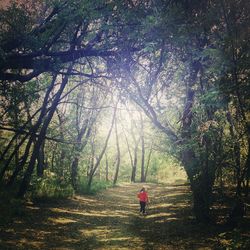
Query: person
[(143, 198)]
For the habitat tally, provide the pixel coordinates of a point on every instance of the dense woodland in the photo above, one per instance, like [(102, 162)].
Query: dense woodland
[(101, 92)]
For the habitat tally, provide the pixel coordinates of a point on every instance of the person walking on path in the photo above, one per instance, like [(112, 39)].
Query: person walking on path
[(143, 198)]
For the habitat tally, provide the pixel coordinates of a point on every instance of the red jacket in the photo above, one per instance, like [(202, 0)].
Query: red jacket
[(143, 196)]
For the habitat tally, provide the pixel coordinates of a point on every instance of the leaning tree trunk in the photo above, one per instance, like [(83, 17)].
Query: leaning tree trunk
[(17, 134), (7, 163), (41, 137), (32, 137), (21, 164)]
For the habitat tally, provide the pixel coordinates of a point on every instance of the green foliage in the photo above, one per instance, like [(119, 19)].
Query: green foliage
[(50, 186), (96, 186), (16, 24)]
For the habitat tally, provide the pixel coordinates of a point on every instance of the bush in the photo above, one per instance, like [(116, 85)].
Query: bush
[(50, 186), (97, 186)]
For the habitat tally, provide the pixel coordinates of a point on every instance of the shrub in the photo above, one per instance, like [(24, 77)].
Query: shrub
[(97, 186), (50, 186)]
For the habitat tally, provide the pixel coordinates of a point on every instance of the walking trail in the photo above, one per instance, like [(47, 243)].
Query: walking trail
[(110, 220)]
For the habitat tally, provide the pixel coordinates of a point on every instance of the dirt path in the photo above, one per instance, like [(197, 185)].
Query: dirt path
[(111, 220)]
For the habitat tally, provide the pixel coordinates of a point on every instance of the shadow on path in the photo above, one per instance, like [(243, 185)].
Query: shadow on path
[(110, 220)]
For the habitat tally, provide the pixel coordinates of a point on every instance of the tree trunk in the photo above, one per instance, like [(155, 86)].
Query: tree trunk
[(32, 138), (7, 163), (17, 153), (201, 178), (118, 155), (247, 168), (142, 150), (40, 161), (201, 201), (107, 168), (236, 150), (41, 137), (148, 161), (21, 164), (201, 186), (79, 147), (142, 159), (92, 172), (17, 134), (131, 158), (134, 167), (74, 170)]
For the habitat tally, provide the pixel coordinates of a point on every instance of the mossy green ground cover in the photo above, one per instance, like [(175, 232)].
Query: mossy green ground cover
[(110, 220)]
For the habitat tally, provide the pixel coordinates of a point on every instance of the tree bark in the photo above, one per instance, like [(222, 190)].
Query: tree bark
[(201, 179), (236, 150), (118, 154), (40, 161), (148, 161), (33, 135), (80, 146), (77, 150), (106, 168), (136, 145), (130, 157), (134, 168), (41, 137), (93, 170), (142, 151)]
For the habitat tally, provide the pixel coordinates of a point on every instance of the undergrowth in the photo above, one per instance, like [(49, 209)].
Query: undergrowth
[(97, 186)]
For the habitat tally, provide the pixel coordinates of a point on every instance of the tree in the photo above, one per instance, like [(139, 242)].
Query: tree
[(118, 161), (99, 158), (50, 39), (184, 56), (84, 120), (143, 174), (62, 32)]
